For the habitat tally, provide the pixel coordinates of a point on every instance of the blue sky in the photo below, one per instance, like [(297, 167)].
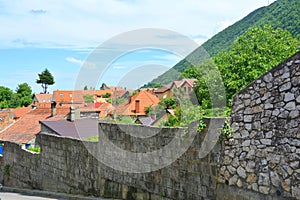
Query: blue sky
[(61, 34)]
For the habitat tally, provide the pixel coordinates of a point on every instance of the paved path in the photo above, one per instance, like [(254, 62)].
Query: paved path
[(9, 193), (18, 196)]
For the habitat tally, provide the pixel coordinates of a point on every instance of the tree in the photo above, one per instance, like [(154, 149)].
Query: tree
[(208, 85), (45, 78), (106, 95), (88, 98), (169, 103), (252, 54), (24, 94), (6, 96)]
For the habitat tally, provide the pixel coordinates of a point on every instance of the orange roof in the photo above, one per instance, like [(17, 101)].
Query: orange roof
[(26, 128), (145, 99), (105, 109), (19, 112), (100, 93), (43, 98), (68, 96), (76, 96)]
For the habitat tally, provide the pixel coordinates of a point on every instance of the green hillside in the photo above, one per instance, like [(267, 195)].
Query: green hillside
[(283, 14)]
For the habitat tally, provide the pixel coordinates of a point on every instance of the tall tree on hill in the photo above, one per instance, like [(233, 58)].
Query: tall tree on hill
[(253, 54), (45, 78)]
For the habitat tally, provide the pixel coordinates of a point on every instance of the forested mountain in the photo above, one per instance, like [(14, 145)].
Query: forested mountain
[(283, 14)]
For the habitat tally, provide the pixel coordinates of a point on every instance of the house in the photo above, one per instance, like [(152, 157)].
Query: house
[(106, 109), (112, 88), (9, 116), (6, 118), (120, 94), (77, 97), (164, 92), (185, 86), (42, 100), (68, 97), (19, 112), (90, 110), (24, 130), (100, 95), (136, 105), (80, 128)]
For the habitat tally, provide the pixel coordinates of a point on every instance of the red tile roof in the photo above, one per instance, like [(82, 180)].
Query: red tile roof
[(19, 112), (6, 118), (25, 129), (43, 98), (145, 99), (105, 109), (76, 96), (68, 96), (99, 93)]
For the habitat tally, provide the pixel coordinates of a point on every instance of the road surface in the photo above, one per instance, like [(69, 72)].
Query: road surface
[(19, 196)]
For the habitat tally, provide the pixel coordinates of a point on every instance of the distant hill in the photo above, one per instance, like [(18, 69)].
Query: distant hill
[(283, 14)]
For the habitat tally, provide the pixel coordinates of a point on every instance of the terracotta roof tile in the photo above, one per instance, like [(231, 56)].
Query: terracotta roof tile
[(19, 112), (68, 96), (145, 99), (76, 96), (105, 109), (25, 129), (43, 98)]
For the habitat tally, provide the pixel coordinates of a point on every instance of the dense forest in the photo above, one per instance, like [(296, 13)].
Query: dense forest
[(284, 14)]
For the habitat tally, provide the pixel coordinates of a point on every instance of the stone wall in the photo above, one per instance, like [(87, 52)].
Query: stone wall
[(264, 153), (259, 161), (65, 165)]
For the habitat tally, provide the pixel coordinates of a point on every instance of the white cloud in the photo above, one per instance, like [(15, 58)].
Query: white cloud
[(119, 67), (74, 60), (38, 12), (82, 24)]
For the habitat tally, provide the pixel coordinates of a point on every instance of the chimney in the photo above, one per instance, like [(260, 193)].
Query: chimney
[(72, 114), (153, 116), (137, 106), (53, 109)]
